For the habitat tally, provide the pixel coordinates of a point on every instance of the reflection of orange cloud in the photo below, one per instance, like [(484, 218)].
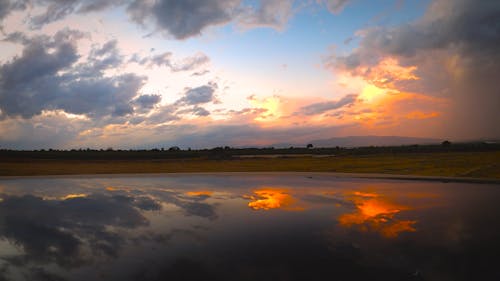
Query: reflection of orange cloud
[(393, 230), (71, 196), (377, 214), (365, 194), (269, 198), (200, 193)]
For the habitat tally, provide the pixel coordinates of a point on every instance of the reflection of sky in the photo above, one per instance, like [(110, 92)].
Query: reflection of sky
[(154, 227)]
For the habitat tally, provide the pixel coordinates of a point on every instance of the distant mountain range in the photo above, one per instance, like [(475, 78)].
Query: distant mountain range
[(358, 141)]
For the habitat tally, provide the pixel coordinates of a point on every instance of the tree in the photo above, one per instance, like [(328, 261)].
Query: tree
[(309, 145), (446, 143)]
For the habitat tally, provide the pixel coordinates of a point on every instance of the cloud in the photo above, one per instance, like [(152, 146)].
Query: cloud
[(186, 18), (4, 8), (165, 59), (200, 111), (48, 76), (322, 107), (335, 6), (199, 95), (7, 6), (181, 19), (454, 51), (191, 63), (58, 9), (147, 101), (189, 18), (52, 230), (270, 13)]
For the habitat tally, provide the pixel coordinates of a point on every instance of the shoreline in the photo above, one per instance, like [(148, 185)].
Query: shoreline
[(304, 174)]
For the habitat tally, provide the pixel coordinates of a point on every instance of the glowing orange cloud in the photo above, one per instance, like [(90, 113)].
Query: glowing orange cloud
[(376, 214), (270, 198), (387, 72), (271, 108), (387, 103)]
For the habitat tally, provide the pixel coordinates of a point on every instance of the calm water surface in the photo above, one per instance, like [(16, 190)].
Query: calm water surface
[(278, 227)]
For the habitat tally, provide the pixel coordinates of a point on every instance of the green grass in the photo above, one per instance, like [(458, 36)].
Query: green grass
[(449, 164)]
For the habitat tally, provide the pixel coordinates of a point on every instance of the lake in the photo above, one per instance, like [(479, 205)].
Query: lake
[(247, 227)]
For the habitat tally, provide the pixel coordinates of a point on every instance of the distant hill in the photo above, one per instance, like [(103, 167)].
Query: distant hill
[(358, 141)]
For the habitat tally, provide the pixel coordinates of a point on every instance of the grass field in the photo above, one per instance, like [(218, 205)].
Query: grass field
[(448, 164)]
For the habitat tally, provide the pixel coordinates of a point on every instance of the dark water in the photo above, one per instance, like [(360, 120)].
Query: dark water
[(247, 228)]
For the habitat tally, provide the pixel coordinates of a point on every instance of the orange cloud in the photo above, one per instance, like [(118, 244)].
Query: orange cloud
[(385, 103)]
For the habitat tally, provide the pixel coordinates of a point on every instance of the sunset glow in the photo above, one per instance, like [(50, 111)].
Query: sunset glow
[(151, 74)]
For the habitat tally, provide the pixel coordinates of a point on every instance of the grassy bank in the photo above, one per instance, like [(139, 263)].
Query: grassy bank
[(449, 164)]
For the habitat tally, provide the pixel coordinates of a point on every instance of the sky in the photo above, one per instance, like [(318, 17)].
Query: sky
[(188, 73)]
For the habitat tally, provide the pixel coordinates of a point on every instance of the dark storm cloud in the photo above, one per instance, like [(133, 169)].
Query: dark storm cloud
[(322, 107), (455, 49), (47, 76)]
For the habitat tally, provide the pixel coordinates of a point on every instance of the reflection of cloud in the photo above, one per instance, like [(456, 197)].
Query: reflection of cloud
[(71, 196), (60, 230), (202, 193), (192, 205), (269, 198), (374, 213)]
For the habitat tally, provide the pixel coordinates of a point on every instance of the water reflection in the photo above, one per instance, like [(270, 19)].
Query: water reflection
[(376, 213), (207, 228), (271, 198)]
